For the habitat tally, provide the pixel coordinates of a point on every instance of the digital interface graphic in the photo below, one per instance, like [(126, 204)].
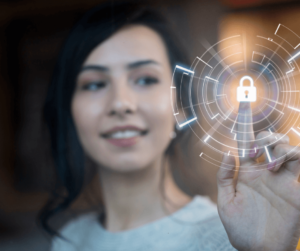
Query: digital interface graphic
[(211, 89)]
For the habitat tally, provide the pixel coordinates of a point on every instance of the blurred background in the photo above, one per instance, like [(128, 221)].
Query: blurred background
[(32, 33)]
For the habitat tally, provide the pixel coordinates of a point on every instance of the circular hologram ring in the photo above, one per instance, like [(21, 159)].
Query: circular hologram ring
[(206, 96)]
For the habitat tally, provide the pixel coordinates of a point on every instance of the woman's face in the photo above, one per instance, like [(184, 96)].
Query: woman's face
[(121, 106)]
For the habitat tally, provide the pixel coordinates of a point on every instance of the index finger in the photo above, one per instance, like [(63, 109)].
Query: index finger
[(244, 130)]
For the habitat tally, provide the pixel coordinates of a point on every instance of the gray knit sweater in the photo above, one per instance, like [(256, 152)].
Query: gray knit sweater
[(196, 226)]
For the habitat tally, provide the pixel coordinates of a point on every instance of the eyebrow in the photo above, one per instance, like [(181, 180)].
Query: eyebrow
[(141, 63), (129, 66)]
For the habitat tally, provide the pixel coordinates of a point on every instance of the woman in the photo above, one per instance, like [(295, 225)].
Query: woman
[(109, 102)]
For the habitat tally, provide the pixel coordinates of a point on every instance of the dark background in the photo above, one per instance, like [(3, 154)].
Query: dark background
[(31, 34)]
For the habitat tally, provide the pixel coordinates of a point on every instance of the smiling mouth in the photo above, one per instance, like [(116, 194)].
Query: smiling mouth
[(124, 134)]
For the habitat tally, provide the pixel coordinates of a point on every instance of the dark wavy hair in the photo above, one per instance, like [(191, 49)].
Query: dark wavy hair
[(95, 26)]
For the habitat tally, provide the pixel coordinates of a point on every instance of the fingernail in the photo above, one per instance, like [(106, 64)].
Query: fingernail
[(253, 151), (272, 164)]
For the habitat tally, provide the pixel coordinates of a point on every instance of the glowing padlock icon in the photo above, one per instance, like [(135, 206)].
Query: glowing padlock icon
[(246, 93)]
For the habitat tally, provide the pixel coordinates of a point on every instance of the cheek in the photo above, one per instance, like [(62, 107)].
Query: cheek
[(86, 113), (159, 115)]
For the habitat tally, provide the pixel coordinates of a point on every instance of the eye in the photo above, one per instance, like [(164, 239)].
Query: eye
[(147, 81), (94, 86)]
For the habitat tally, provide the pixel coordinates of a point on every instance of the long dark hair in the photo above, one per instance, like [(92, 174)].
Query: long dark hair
[(95, 26)]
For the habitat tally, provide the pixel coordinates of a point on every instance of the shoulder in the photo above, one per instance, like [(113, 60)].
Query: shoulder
[(74, 232)]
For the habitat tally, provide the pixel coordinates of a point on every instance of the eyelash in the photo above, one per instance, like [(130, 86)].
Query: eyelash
[(148, 80), (94, 86)]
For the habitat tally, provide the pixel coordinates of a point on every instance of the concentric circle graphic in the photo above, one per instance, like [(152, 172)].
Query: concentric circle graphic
[(209, 93)]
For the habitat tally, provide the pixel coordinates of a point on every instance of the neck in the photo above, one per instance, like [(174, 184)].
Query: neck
[(136, 198)]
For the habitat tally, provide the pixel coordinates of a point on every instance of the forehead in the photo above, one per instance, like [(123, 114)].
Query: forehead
[(132, 43)]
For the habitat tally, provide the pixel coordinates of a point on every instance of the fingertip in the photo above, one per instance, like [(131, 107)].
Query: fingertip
[(271, 165), (228, 160), (253, 152)]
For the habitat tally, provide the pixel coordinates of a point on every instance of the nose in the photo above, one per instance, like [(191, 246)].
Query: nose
[(122, 100)]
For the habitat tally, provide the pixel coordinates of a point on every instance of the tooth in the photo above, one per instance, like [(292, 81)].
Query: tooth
[(125, 134), (131, 134), (117, 135)]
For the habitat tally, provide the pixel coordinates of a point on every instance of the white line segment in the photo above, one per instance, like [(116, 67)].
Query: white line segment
[(207, 138), (293, 108), (204, 62), (294, 56), (212, 79), (215, 116), (277, 29), (268, 155), (184, 69), (296, 131), (187, 122)]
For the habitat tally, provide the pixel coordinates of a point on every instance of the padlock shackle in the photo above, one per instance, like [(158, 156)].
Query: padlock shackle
[(249, 78)]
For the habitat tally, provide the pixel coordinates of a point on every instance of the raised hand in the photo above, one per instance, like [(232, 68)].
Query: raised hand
[(262, 210)]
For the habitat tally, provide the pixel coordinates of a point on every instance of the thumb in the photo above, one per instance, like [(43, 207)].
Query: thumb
[(225, 178)]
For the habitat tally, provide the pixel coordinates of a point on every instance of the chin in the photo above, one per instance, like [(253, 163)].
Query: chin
[(125, 167), (126, 164)]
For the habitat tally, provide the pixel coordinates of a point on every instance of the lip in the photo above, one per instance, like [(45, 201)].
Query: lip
[(122, 128), (124, 142)]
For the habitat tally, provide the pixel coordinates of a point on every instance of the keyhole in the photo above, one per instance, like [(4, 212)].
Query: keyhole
[(246, 93)]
